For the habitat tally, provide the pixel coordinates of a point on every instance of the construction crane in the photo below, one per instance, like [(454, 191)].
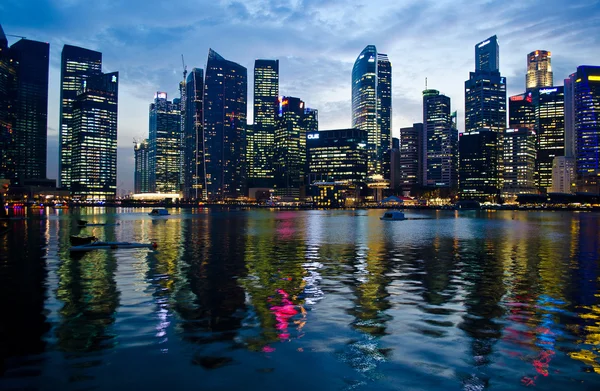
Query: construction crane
[(18, 36), (184, 68)]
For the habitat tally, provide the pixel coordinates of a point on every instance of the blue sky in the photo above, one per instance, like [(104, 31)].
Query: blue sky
[(316, 41)]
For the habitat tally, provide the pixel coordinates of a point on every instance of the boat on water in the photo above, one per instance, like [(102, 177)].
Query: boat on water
[(84, 223), (393, 215), (36, 206), (79, 240), (61, 206), (159, 212), (111, 246)]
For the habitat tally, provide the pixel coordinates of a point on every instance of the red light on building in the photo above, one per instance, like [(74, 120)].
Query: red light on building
[(516, 98)]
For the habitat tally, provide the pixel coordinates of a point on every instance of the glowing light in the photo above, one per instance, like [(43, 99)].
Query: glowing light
[(594, 78), (483, 44), (548, 90)]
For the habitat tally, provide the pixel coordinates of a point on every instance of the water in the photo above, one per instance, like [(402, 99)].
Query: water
[(296, 300)]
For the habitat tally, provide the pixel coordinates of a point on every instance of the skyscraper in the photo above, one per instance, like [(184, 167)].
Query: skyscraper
[(485, 108), (550, 130), (7, 116), (94, 139), (266, 91), (194, 179), (441, 141), (412, 152), (539, 69), (587, 128), (290, 146), (225, 97), (77, 64), (141, 175), (479, 178), (371, 104), (521, 113), (384, 110), (164, 156), (519, 161)]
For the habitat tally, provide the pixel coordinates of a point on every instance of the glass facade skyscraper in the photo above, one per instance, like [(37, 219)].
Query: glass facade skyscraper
[(412, 150), (94, 139), (7, 116), (141, 176), (587, 128), (31, 59), (194, 179), (372, 104), (487, 55), (478, 177), (521, 113), (337, 155), (519, 161), (549, 104), (441, 141), (266, 91), (539, 69), (225, 97), (293, 124), (164, 156), (77, 64)]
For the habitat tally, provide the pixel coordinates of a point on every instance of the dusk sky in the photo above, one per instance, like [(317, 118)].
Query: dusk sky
[(315, 41)]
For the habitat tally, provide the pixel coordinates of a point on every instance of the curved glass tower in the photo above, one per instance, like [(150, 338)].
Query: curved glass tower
[(364, 104)]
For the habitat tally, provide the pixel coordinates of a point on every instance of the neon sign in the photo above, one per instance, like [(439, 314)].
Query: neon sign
[(313, 136), (548, 90), (483, 44)]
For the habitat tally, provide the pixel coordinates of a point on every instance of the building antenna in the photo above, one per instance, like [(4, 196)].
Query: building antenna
[(425, 83), (18, 36)]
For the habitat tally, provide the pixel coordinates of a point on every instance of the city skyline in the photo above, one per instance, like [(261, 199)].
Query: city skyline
[(319, 72)]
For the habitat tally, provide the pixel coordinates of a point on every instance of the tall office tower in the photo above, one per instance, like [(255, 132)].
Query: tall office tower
[(384, 111), (311, 119), (563, 175), (395, 174), (194, 185), (441, 141), (587, 128), (93, 123), (521, 113), (549, 106), (77, 64), (266, 91), (225, 96), (485, 102), (412, 141), (478, 168), (371, 108), (141, 175), (290, 147), (570, 137), (519, 161), (30, 131), (487, 55), (7, 116), (337, 155), (539, 69), (164, 156)]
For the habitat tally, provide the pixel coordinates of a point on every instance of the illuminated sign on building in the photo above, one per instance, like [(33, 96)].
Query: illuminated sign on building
[(313, 136), (548, 90), (114, 79), (483, 44), (517, 98)]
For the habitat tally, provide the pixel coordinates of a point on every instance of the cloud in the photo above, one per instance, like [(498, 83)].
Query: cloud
[(316, 41)]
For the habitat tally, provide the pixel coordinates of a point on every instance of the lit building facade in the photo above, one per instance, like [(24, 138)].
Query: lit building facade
[(521, 113), (77, 64), (441, 141), (194, 186), (539, 69), (478, 176), (165, 145), (141, 175), (519, 161), (372, 104), (261, 146), (563, 175), (7, 116), (412, 153), (289, 160), (94, 139), (30, 108), (487, 55), (550, 130), (587, 128), (337, 156), (225, 97), (384, 110)]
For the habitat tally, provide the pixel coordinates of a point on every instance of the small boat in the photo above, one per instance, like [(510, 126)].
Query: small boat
[(36, 206), (84, 223), (61, 206), (159, 212), (393, 215), (79, 240), (111, 246)]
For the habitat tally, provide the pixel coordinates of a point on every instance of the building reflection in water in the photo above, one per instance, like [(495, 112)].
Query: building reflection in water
[(209, 299), (23, 275)]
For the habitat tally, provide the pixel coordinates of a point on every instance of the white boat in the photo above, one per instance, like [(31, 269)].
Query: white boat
[(159, 212), (393, 215), (111, 246)]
